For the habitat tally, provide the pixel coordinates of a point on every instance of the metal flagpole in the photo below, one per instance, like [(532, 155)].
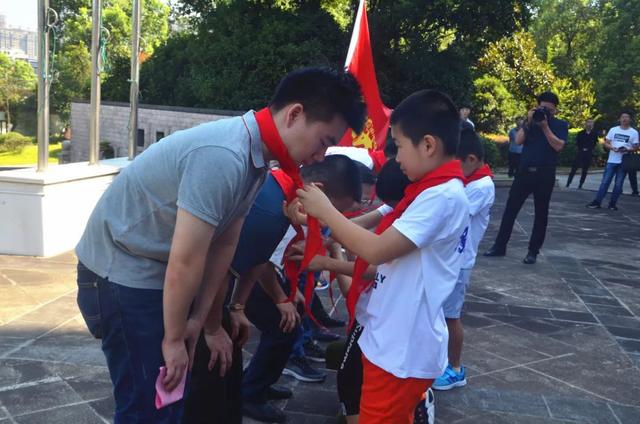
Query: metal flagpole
[(94, 122), (135, 78), (43, 85)]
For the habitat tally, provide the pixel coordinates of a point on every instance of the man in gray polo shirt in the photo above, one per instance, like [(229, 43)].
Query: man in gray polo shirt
[(160, 240)]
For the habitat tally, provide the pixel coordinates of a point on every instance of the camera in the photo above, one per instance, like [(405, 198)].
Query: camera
[(540, 114)]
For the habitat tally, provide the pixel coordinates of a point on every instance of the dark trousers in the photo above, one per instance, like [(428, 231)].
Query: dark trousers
[(273, 349), (583, 160), (539, 182), (514, 163), (129, 322), (213, 399), (633, 181)]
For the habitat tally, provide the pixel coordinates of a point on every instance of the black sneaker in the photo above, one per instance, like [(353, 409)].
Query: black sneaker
[(635, 194), (314, 352), (613, 208), (263, 412), (530, 259), (594, 205), (278, 393), (300, 369), (495, 251)]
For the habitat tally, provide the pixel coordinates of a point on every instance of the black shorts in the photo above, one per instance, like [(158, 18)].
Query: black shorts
[(350, 373)]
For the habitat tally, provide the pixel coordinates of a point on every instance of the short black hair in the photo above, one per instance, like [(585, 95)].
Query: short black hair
[(339, 175), (390, 148), (628, 112), (391, 183), (465, 106), (366, 175), (324, 93), (429, 112), (470, 144), (548, 96)]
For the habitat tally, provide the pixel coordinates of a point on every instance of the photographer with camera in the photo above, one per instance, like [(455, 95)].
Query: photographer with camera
[(619, 141), (543, 136)]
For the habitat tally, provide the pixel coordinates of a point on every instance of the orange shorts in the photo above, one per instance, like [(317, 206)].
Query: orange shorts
[(387, 399)]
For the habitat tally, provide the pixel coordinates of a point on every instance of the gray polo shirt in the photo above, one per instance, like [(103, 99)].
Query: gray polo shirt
[(213, 171)]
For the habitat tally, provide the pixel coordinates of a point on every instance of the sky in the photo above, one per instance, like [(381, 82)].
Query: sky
[(20, 13)]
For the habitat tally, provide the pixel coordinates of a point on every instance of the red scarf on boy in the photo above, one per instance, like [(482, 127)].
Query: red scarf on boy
[(483, 171), (288, 177), (440, 175)]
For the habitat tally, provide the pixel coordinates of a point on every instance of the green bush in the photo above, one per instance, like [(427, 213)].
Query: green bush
[(13, 142), (495, 153), (568, 154)]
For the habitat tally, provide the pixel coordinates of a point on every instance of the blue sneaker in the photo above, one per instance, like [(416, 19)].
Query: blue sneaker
[(450, 379)]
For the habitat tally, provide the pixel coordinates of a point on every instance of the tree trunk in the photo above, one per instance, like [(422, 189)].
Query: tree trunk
[(8, 116)]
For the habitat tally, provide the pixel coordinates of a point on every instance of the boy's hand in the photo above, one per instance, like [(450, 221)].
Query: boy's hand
[(314, 201), (316, 264), (294, 212), (221, 348)]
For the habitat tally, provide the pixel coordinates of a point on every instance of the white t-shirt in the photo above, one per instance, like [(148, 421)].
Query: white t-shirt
[(621, 138), (405, 332), (481, 195), (359, 154), (277, 257)]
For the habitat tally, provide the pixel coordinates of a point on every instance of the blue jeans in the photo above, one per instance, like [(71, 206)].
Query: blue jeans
[(130, 323), (611, 170)]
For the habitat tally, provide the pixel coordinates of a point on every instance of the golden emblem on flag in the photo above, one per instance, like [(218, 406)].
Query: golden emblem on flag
[(367, 138)]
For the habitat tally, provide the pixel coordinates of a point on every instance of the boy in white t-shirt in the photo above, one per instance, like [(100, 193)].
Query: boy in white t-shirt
[(418, 252), (620, 141), (481, 194)]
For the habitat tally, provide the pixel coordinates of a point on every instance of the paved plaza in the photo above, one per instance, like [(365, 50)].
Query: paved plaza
[(557, 342)]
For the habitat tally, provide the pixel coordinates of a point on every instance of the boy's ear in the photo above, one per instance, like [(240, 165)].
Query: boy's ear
[(430, 144)]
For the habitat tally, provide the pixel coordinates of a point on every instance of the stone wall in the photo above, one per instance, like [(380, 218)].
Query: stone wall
[(155, 121)]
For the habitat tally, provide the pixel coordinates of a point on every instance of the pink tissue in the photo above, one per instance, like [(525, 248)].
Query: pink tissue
[(164, 398)]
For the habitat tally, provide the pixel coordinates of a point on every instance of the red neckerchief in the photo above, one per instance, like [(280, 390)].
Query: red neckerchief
[(289, 180), (440, 175), (483, 171)]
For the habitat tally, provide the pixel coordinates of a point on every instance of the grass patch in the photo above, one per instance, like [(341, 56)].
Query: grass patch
[(29, 156)]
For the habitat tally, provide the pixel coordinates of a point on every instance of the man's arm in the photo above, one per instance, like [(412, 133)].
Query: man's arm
[(554, 141), (191, 241)]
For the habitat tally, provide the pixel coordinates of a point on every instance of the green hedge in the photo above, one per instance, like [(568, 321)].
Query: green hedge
[(13, 142), (497, 153)]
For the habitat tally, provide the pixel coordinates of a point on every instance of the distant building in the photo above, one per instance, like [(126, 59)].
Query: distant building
[(19, 43)]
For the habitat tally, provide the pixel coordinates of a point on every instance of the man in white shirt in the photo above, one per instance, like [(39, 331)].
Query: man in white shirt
[(465, 111), (620, 141)]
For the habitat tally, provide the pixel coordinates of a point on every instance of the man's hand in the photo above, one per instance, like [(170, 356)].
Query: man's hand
[(290, 317), (240, 327), (221, 348), (192, 334), (176, 361), (530, 116)]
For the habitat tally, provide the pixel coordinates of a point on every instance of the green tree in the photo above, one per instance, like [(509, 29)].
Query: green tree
[(566, 33), (495, 108), (513, 60), (616, 73), (238, 53), (73, 58), (17, 82)]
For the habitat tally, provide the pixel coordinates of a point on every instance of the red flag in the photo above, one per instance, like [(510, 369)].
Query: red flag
[(360, 63)]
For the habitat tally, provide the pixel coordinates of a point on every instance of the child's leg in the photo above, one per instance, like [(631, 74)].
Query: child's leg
[(387, 398), (456, 338), (350, 376)]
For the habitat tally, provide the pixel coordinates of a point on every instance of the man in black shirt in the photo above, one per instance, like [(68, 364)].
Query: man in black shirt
[(585, 142), (543, 137)]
